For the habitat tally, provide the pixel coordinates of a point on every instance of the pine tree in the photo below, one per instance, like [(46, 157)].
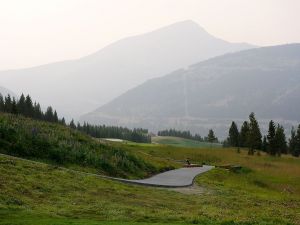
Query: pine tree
[(72, 124), (271, 138), (22, 105), (38, 114), (49, 114), (55, 117), (8, 104), (244, 134), (293, 142), (264, 146), (1, 103), (14, 108), (29, 107), (280, 140), (63, 121), (233, 135), (297, 147), (211, 136), (254, 136)]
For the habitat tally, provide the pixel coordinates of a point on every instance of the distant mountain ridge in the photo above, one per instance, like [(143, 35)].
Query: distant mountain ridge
[(4, 92), (78, 86), (212, 93)]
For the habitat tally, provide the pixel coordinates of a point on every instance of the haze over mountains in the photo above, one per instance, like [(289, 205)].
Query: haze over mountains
[(212, 93), (4, 92), (78, 86)]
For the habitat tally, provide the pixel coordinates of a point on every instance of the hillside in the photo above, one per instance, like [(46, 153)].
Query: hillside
[(79, 86), (62, 146), (212, 93), (266, 191)]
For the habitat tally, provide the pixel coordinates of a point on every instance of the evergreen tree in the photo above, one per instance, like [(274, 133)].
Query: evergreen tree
[(72, 124), (233, 135), (49, 114), (264, 146), (254, 136), (211, 136), (297, 147), (28, 107), (14, 108), (55, 117), (8, 104), (244, 134), (22, 105), (38, 114), (271, 138), (63, 121), (1, 103), (280, 141), (293, 142)]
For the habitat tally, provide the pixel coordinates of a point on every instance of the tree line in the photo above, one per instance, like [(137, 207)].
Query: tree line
[(187, 134), (26, 107), (101, 131), (178, 133), (274, 143)]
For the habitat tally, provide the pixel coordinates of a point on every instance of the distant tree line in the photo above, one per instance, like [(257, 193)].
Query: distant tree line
[(101, 131), (178, 133), (274, 143), (187, 134), (24, 106)]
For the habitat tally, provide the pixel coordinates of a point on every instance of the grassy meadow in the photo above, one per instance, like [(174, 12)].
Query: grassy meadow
[(261, 193), (265, 191)]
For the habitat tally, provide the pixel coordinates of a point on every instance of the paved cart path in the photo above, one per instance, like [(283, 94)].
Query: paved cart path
[(182, 177)]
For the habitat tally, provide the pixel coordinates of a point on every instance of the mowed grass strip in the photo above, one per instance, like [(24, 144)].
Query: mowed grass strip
[(182, 142)]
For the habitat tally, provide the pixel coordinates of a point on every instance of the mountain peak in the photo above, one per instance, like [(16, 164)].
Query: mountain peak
[(184, 26), (186, 23), (118, 67)]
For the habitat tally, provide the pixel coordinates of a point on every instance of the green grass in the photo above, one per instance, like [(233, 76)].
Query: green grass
[(38, 220), (182, 142), (266, 191), (33, 193), (60, 145)]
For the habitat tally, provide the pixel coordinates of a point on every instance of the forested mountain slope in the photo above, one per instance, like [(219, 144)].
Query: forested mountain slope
[(212, 93)]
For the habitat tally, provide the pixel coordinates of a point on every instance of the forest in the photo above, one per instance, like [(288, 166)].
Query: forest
[(26, 107), (273, 143)]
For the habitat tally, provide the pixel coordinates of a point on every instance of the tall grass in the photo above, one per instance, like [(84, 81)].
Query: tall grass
[(61, 145)]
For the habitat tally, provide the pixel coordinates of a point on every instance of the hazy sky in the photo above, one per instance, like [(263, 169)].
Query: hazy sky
[(34, 32)]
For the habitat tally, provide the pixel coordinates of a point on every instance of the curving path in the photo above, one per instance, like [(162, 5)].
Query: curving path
[(182, 177)]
